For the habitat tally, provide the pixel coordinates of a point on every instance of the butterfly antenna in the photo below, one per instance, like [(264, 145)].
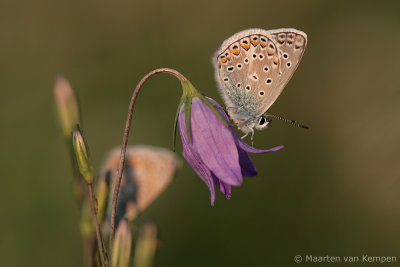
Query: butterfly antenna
[(293, 122)]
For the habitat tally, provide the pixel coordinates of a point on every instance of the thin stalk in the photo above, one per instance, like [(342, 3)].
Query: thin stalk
[(79, 188), (99, 241), (125, 141)]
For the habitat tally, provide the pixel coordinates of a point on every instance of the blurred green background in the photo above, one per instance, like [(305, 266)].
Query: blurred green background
[(333, 190)]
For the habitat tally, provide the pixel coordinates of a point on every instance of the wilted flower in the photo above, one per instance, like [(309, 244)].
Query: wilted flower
[(210, 145)]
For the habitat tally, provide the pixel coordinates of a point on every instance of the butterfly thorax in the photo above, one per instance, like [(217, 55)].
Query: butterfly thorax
[(242, 118)]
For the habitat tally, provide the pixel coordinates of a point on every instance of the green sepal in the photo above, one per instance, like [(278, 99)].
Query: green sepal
[(175, 125), (189, 92), (188, 108)]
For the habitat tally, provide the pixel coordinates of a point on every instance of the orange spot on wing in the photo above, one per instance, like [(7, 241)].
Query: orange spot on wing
[(228, 58), (254, 42), (276, 60), (246, 46), (270, 52), (263, 44), (224, 60), (235, 51)]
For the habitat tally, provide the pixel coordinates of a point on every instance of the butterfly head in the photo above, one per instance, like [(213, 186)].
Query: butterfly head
[(262, 122), (248, 125)]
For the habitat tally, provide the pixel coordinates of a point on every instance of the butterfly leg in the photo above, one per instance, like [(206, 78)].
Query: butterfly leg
[(252, 135)]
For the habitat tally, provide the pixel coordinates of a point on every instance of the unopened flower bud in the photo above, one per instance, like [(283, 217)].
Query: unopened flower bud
[(146, 245), (102, 192), (82, 156), (67, 106), (122, 245)]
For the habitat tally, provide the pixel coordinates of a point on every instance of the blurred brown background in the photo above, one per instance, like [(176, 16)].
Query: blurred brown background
[(333, 190)]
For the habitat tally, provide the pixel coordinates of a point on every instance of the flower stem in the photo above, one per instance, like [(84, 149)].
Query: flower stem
[(99, 241), (125, 140)]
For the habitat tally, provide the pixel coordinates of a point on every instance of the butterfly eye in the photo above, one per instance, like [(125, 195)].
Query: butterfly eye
[(262, 121)]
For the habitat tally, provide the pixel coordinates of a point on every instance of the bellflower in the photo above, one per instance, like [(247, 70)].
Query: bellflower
[(210, 145)]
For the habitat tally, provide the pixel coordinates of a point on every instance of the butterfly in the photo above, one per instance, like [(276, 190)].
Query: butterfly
[(147, 172), (252, 68)]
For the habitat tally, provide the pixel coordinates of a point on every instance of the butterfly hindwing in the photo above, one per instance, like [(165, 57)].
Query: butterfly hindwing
[(291, 44)]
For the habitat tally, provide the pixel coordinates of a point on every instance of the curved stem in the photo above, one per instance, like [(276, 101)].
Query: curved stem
[(125, 141)]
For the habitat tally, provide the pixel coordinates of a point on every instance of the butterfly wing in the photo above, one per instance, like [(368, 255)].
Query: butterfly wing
[(147, 172), (236, 66), (291, 44), (253, 66)]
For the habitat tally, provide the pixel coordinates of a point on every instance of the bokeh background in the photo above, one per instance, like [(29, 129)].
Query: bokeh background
[(333, 190)]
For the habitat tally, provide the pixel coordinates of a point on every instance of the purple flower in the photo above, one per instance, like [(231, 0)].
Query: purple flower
[(216, 153)]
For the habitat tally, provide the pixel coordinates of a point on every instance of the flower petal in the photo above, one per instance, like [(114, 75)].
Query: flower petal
[(201, 171), (246, 164), (223, 187), (194, 159), (241, 144), (215, 144)]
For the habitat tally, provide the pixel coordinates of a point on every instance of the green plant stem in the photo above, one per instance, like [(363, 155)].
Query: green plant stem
[(98, 234), (125, 141)]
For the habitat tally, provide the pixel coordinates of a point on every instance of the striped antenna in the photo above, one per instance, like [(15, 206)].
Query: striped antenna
[(293, 122)]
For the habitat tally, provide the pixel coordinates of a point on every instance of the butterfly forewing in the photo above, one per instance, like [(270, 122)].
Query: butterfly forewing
[(243, 69), (252, 68)]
